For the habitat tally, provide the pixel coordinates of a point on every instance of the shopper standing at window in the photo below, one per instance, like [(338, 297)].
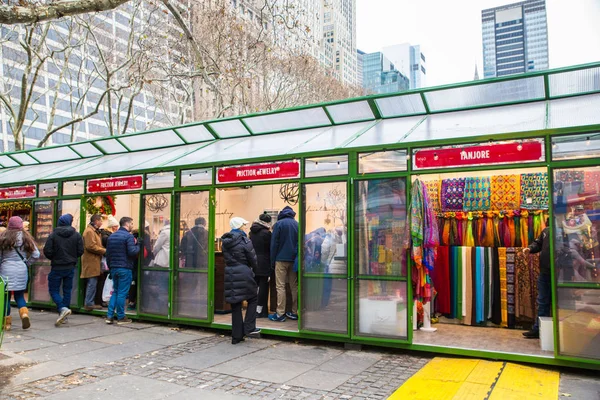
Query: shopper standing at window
[(260, 235), (162, 247), (63, 248), (18, 249), (121, 255), (284, 252), (194, 245), (91, 261), (240, 261), (541, 245)]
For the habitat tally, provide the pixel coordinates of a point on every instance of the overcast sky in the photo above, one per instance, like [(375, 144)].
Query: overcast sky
[(449, 32)]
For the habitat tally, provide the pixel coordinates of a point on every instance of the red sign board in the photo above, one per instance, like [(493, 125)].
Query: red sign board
[(259, 172), (23, 192), (115, 184), (478, 155)]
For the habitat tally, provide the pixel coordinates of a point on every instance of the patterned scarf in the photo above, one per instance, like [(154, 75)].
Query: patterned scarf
[(452, 196), (506, 192), (433, 191), (534, 191), (477, 194)]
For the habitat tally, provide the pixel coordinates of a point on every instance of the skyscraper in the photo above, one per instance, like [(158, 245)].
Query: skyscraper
[(409, 60), (339, 39), (515, 38), (359, 67), (381, 76)]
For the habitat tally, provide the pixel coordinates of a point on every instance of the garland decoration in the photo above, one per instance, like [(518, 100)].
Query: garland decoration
[(15, 205), (104, 205)]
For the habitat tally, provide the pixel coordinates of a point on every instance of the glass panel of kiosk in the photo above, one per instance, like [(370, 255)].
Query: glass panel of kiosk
[(154, 279), (72, 207), (190, 297), (324, 258), (43, 216), (577, 260), (380, 258)]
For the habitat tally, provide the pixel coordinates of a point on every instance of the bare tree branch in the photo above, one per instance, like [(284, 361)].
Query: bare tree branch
[(28, 12)]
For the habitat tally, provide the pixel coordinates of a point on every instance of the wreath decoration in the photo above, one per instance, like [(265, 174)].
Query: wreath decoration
[(104, 205)]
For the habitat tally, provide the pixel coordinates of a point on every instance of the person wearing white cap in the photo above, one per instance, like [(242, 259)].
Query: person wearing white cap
[(240, 262)]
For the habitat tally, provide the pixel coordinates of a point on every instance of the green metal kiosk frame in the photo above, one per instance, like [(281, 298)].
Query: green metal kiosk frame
[(559, 107)]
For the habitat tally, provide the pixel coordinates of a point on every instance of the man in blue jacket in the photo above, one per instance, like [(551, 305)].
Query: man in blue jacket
[(121, 254), (284, 252)]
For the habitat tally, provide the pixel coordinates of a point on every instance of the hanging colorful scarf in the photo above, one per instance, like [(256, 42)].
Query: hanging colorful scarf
[(506, 192), (497, 238), (469, 295), (534, 191), (454, 239), (477, 194), (433, 192), (460, 228), (452, 194), (503, 284), (489, 229), (480, 240), (524, 228), (496, 288), (517, 222), (525, 307), (511, 282), (591, 182), (446, 231), (469, 237), (510, 228)]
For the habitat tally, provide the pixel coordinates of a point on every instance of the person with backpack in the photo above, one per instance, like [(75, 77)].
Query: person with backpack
[(18, 250), (260, 235), (63, 248)]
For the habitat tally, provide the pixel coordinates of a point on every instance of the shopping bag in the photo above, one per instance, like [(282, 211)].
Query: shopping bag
[(108, 290)]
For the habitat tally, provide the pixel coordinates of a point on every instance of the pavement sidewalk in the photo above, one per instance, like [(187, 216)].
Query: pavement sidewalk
[(87, 359)]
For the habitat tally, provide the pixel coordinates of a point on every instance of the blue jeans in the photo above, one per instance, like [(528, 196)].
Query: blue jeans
[(90, 291), (55, 279), (544, 299), (122, 278), (19, 298)]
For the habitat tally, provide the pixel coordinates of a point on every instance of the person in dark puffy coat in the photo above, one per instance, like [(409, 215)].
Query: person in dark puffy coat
[(260, 235), (240, 261), (63, 248)]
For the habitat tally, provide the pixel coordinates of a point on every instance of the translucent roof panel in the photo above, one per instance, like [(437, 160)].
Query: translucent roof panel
[(89, 167), (348, 112), (573, 82), (206, 152), (486, 94), (7, 162), (332, 138), (231, 128), (387, 131), (55, 154), (166, 156), (111, 146), (288, 120), (146, 141), (40, 171), (574, 111), (264, 146), (86, 149), (24, 159), (487, 121), (398, 106), (194, 134)]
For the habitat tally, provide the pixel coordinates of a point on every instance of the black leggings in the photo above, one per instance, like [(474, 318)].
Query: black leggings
[(263, 294)]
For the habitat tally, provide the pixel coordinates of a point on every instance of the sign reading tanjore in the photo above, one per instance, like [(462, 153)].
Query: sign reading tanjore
[(494, 153), (115, 184), (259, 172)]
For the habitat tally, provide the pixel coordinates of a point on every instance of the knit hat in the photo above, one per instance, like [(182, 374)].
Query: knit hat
[(264, 217), (112, 221), (237, 222), (65, 220), (15, 223)]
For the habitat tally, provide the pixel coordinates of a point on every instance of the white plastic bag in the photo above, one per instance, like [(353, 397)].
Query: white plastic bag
[(108, 290)]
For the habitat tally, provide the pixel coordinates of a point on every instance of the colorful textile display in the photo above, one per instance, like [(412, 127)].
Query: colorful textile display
[(433, 190), (511, 282), (569, 175), (477, 194), (527, 271), (503, 285), (534, 191), (452, 194), (424, 239), (506, 192), (497, 288), (442, 280), (591, 182), (468, 286)]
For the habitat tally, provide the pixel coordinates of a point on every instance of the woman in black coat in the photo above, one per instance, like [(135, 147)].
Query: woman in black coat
[(260, 235), (240, 261)]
